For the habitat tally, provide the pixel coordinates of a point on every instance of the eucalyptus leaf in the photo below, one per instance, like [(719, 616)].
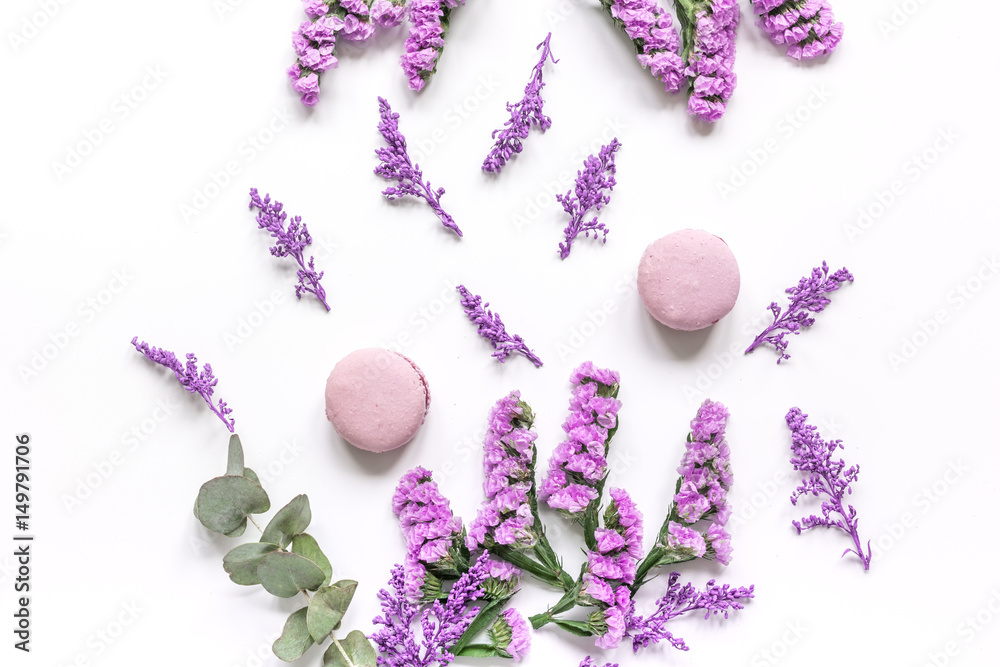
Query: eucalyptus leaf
[(305, 545), (294, 639), (251, 475), (284, 574), (328, 606), (360, 652), (235, 464), (241, 563), (291, 520), (225, 502)]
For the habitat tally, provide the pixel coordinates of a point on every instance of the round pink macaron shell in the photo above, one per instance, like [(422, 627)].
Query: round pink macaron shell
[(376, 399), (689, 280)]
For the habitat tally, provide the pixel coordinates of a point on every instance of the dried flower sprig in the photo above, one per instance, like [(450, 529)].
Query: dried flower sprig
[(807, 27), (679, 600), (827, 478), (709, 31), (201, 382), (315, 40), (490, 327), (596, 177), (589, 662), (395, 165), (805, 298), (429, 23), (523, 115), (657, 44), (289, 242)]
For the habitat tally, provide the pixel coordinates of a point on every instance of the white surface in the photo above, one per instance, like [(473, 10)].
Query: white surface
[(190, 284)]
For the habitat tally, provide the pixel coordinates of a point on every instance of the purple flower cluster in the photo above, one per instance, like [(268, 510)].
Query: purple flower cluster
[(429, 20), (441, 624), (395, 165), (598, 175), (201, 382), (491, 328), (710, 45), (523, 115), (611, 568), (315, 40), (508, 460), (679, 600), (656, 41), (589, 662), (511, 635), (579, 465), (289, 242), (826, 477), (807, 27), (431, 532), (809, 296)]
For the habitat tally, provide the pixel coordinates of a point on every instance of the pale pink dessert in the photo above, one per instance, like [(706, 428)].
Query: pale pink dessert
[(689, 280), (376, 399)]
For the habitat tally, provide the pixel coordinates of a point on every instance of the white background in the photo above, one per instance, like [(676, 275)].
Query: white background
[(132, 542)]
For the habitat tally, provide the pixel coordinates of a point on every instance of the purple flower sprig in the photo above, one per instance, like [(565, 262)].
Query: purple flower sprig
[(589, 662), (809, 296), (679, 600), (709, 31), (827, 478), (429, 23), (395, 165), (523, 115), (491, 328), (201, 382), (291, 242), (806, 27), (596, 177), (315, 40), (657, 44)]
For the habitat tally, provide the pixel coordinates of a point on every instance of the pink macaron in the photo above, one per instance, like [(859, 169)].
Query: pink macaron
[(689, 280), (377, 399)]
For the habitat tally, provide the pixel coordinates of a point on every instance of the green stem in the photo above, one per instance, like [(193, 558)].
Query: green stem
[(482, 620)]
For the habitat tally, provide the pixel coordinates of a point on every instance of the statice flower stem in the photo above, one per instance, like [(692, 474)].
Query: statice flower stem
[(594, 184), (289, 242), (656, 42)]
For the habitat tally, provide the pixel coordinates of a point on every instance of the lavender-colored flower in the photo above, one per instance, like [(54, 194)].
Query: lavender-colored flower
[(826, 477), (805, 298), (579, 465), (201, 382), (523, 115), (657, 44), (429, 22), (508, 459), (387, 13), (807, 27), (395, 165), (683, 539), (289, 242), (589, 662), (679, 600), (709, 30), (491, 328), (598, 175), (511, 635), (441, 624)]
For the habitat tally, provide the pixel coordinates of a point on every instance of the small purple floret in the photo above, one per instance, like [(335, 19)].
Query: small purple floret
[(491, 328), (806, 27), (395, 165), (598, 175), (429, 21)]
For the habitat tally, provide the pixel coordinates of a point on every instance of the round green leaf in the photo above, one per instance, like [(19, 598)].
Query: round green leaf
[(328, 606), (235, 464), (294, 639), (284, 574), (360, 652), (224, 503), (250, 474), (305, 545), (290, 520), (241, 563)]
